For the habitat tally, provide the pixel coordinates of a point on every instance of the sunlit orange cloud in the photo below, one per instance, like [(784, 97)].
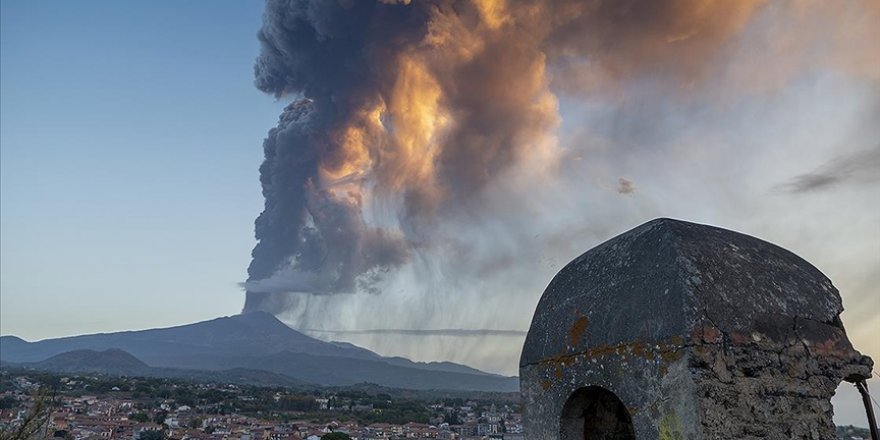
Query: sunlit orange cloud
[(460, 105), (597, 46), (791, 38), (475, 94), (431, 107)]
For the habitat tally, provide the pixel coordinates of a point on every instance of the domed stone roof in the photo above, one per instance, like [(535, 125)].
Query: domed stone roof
[(667, 280), (678, 330)]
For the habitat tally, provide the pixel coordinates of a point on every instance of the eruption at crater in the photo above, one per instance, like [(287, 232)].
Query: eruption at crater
[(410, 119)]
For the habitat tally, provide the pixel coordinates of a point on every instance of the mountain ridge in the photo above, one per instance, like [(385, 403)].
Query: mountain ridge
[(254, 341), (91, 360)]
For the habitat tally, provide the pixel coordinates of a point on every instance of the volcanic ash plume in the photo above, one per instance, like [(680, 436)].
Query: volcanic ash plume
[(415, 123), (404, 113)]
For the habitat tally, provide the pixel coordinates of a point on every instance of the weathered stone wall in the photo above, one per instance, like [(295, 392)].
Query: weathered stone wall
[(775, 382), (652, 381)]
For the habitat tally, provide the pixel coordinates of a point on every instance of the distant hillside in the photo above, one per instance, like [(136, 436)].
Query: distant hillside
[(449, 367), (255, 333), (12, 345), (114, 361), (252, 342), (325, 370), (203, 345)]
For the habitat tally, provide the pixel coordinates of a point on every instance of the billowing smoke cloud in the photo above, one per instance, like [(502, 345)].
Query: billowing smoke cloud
[(406, 112), (453, 155)]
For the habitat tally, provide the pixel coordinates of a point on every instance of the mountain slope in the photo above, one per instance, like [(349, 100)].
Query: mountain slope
[(253, 341), (116, 362), (449, 367), (251, 334), (113, 361), (325, 370)]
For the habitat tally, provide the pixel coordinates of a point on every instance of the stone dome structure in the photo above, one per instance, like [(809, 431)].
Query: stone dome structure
[(675, 330)]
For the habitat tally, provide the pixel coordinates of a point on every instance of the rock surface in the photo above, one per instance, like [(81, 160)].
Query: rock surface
[(701, 332)]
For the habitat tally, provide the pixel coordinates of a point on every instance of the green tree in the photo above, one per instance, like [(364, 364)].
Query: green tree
[(8, 402), (151, 435), (64, 434), (297, 403), (452, 418), (139, 417), (160, 417), (336, 436)]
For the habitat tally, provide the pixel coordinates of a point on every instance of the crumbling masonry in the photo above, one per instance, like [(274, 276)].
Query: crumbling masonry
[(676, 330)]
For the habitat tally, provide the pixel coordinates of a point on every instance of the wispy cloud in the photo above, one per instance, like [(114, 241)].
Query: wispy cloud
[(859, 167)]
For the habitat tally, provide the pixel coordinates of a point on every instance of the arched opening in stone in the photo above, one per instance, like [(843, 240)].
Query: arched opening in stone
[(594, 413)]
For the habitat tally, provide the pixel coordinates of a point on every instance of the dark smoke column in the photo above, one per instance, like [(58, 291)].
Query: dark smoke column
[(312, 238), (283, 175)]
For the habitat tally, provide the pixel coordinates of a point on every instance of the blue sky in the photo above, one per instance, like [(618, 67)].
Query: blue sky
[(131, 137)]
